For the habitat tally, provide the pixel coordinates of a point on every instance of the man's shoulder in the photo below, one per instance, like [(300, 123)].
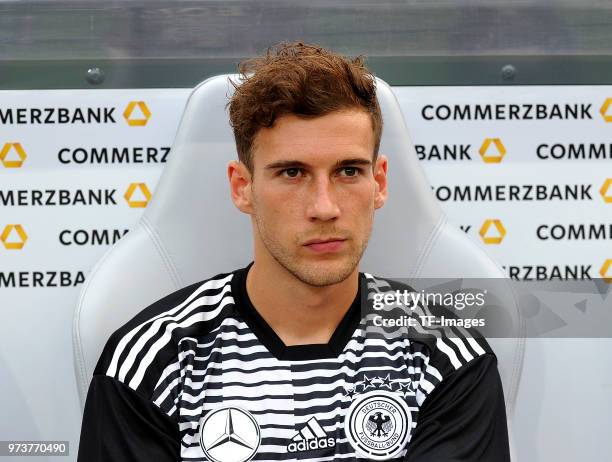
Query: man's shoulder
[(450, 343), (137, 353)]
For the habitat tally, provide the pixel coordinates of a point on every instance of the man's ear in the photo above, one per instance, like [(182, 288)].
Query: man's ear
[(240, 181), (380, 177)]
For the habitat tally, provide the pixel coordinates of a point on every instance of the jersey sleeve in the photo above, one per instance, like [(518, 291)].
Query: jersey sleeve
[(128, 413), (132, 407), (464, 418), (120, 425)]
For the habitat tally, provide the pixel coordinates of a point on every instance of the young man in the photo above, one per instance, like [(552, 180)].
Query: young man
[(278, 360)]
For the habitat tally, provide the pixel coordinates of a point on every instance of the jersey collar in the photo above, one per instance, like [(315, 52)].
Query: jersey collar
[(268, 337)]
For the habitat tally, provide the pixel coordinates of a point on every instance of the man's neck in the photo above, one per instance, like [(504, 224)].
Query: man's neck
[(299, 313)]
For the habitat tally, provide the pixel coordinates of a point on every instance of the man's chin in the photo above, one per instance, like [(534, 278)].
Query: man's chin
[(323, 272)]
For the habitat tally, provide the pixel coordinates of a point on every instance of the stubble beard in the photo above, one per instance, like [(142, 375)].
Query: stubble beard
[(311, 273)]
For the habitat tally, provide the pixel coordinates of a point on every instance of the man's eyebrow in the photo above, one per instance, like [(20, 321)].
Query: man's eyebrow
[(286, 164), (355, 161), (299, 164)]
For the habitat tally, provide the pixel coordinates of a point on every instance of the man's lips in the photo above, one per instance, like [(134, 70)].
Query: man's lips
[(325, 245)]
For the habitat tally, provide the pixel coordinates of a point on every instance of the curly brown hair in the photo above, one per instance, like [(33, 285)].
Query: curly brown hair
[(301, 79)]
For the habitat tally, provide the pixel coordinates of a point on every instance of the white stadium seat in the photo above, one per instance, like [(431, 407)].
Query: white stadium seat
[(191, 231)]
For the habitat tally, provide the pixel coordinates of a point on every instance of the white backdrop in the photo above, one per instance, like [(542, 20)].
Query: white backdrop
[(77, 168)]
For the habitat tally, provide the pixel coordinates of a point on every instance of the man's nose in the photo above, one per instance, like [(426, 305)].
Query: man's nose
[(323, 204)]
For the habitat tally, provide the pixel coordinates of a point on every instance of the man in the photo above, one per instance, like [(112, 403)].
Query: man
[(280, 360)]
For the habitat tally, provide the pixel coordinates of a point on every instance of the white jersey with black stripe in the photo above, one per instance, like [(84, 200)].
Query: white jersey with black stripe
[(209, 362)]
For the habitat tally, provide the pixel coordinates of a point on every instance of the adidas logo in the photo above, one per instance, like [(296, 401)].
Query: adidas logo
[(310, 437)]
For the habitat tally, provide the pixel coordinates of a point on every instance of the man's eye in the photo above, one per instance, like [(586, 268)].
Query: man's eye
[(350, 171), (291, 172)]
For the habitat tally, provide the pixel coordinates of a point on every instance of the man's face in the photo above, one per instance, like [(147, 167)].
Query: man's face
[(313, 192)]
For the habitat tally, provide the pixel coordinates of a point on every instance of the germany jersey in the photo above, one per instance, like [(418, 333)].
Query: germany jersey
[(200, 376)]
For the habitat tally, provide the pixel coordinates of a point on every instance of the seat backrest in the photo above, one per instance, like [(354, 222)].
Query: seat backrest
[(191, 231)]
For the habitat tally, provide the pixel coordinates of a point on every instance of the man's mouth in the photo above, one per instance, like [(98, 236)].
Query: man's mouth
[(332, 244)]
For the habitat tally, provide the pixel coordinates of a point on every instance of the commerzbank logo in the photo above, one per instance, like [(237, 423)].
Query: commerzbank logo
[(492, 151), (492, 231), (606, 271), (13, 237), (12, 155), (606, 191), (606, 110), (137, 195), (137, 114)]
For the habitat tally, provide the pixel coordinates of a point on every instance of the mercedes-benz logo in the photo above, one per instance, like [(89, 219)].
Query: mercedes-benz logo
[(229, 434)]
